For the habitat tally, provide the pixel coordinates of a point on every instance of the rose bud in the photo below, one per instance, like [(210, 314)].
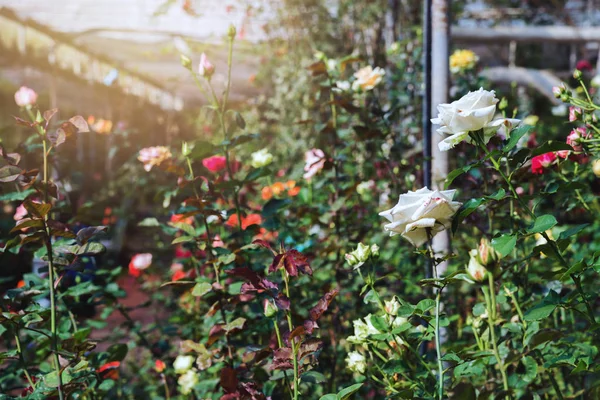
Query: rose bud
[(486, 254), (270, 309)]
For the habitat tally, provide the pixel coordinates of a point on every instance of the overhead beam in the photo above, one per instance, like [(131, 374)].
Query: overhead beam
[(556, 34)]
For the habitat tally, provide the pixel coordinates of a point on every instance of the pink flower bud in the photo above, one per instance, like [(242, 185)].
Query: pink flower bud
[(575, 113), (25, 97), (205, 68)]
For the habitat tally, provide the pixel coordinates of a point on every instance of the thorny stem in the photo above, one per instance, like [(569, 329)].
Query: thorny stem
[(551, 242), (292, 340), (48, 243), (490, 301), (22, 358), (438, 344)]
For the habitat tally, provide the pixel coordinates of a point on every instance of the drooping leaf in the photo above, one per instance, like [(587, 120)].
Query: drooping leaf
[(318, 310)]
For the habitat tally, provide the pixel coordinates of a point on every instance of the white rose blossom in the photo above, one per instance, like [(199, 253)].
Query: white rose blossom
[(471, 113), (187, 381), (356, 362), (367, 78), (362, 330), (261, 158), (420, 211), (183, 363)]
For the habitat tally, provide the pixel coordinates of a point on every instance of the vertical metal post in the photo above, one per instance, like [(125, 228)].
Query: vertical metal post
[(427, 94), (440, 33)]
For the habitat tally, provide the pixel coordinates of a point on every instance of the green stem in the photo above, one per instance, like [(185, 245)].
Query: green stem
[(48, 243), (490, 301), (22, 358), (438, 344), (292, 340)]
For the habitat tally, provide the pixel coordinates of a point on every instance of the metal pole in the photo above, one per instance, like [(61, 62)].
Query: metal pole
[(427, 106), (427, 94), (440, 33)]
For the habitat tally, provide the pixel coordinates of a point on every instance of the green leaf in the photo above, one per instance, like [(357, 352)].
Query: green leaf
[(530, 369), (187, 228), (16, 196), (539, 312), (515, 136), (542, 224), (313, 377), (86, 249), (572, 231), (239, 120), (504, 244), (467, 209), (202, 149), (149, 222), (9, 173), (329, 397), (349, 391), (237, 323), (201, 288), (257, 173), (456, 173), (183, 239), (379, 323), (227, 258), (117, 352)]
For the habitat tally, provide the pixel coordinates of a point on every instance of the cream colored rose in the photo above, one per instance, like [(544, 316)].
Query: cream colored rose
[(356, 362), (187, 381), (420, 211), (183, 363), (367, 78), (261, 158), (471, 113)]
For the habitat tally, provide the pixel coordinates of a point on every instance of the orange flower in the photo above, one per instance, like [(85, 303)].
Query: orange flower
[(182, 218), (251, 219), (278, 188), (21, 283), (267, 193), (290, 184), (294, 191), (159, 366)]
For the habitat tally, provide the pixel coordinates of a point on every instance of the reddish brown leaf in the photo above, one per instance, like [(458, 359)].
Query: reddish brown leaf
[(265, 244), (282, 358), (299, 331), (309, 347), (22, 122), (229, 380), (321, 307)]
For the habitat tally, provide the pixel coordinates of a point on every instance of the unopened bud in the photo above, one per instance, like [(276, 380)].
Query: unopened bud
[(186, 62), (557, 91), (503, 104), (596, 167), (270, 309), (486, 254), (231, 31), (577, 74), (564, 97), (474, 268), (185, 149)]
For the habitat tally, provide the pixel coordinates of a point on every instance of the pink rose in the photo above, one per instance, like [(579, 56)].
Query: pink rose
[(574, 113), (542, 161), (315, 161), (153, 156), (215, 163), (20, 213), (25, 97)]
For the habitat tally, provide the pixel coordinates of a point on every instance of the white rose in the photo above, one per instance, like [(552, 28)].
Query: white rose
[(392, 306), (183, 364), (595, 81), (343, 85), (187, 381), (367, 78), (474, 268), (356, 362), (420, 211), (261, 158), (471, 113), (362, 330)]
